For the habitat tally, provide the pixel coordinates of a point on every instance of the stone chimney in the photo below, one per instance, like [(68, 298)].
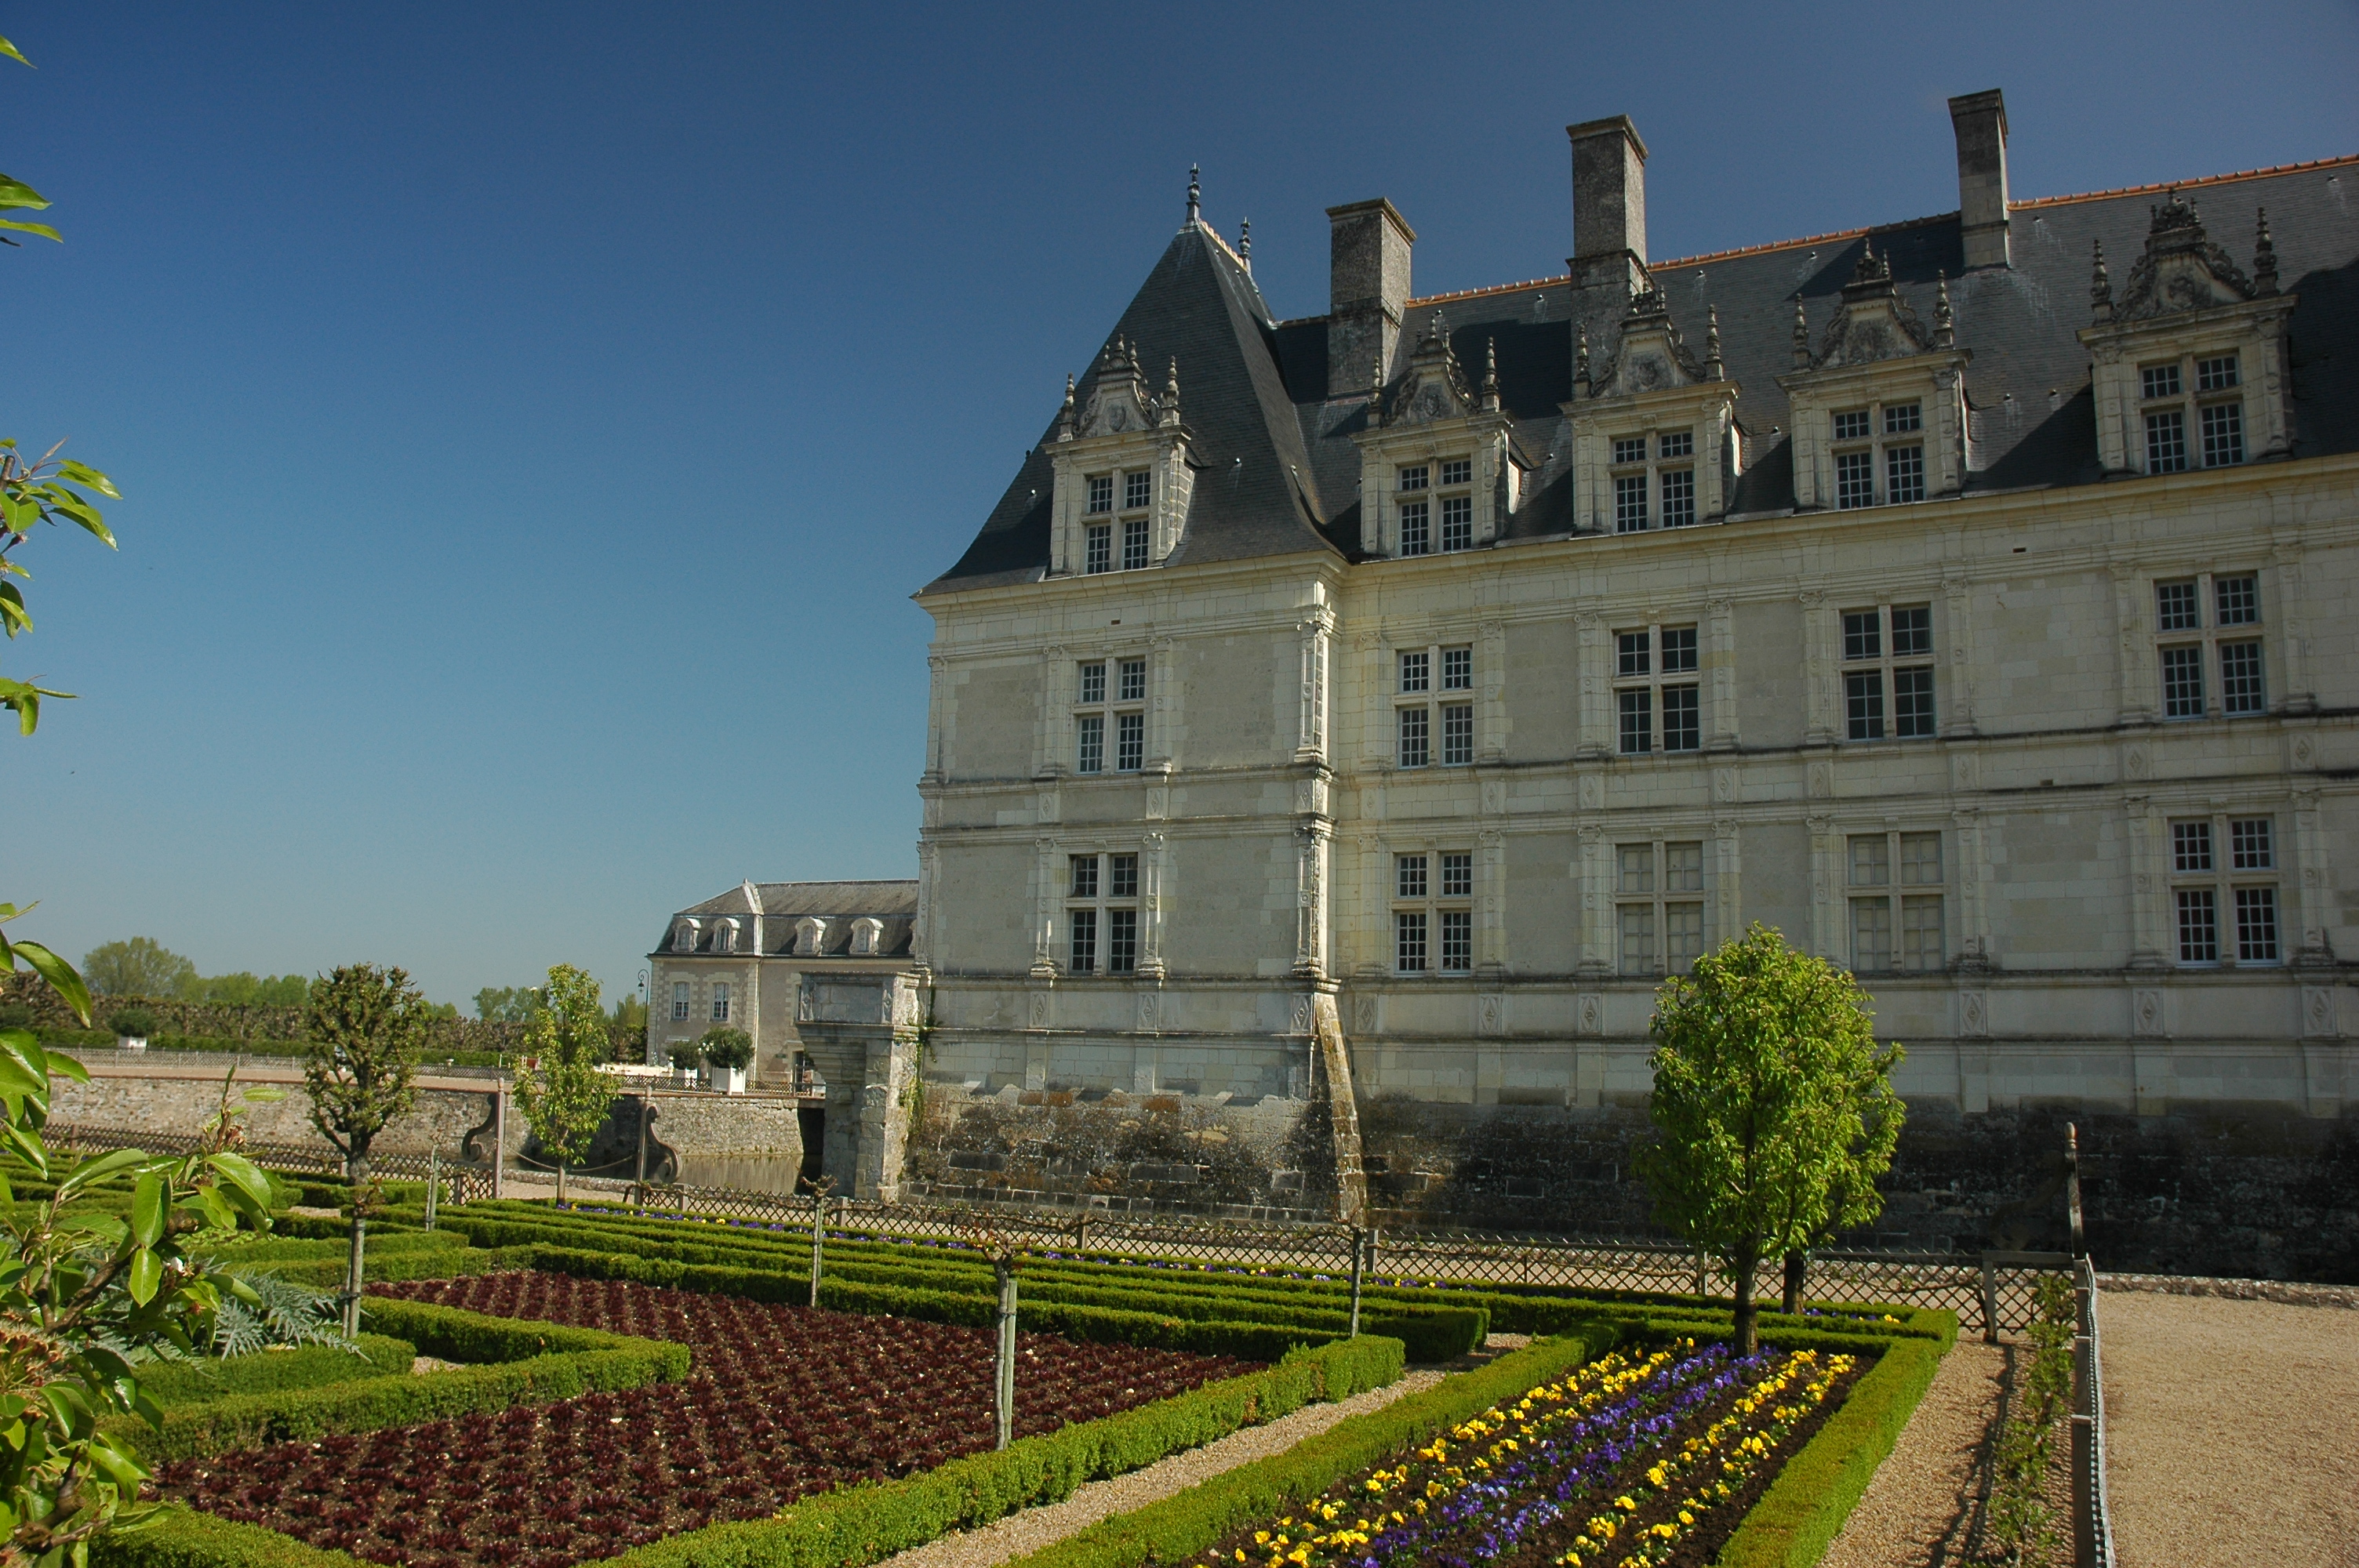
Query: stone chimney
[(1981, 121), (1367, 289), (1609, 205)]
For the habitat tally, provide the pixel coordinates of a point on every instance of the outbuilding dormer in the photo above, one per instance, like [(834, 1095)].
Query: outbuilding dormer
[(1879, 408), (1438, 471), (1122, 473), (2189, 364), (1655, 441)]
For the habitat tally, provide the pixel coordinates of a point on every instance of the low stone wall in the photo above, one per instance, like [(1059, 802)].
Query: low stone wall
[(700, 1139), (115, 1099)]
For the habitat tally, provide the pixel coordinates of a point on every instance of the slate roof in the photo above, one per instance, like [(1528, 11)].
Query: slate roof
[(894, 904), (1278, 474)]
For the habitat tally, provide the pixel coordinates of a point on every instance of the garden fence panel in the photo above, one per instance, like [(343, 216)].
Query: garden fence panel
[(467, 1183)]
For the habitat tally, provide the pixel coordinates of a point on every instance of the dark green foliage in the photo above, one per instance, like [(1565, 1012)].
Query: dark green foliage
[(131, 1023), (2021, 1520), (723, 1046), (184, 1538), (199, 1381)]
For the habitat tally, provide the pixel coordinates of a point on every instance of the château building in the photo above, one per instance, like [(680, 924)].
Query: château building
[(1342, 723)]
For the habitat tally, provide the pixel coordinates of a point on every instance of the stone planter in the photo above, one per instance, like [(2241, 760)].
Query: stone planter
[(131, 1042), (684, 1077), (726, 1080)]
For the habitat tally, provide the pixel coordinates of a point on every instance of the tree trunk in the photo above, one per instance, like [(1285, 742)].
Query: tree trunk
[(1745, 1262), (1004, 1388), (1798, 1264), (356, 1173), (560, 1184)]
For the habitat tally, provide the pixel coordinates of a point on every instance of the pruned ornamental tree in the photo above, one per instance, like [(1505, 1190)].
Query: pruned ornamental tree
[(367, 1026), (564, 1098), (1773, 1108), (732, 1050)]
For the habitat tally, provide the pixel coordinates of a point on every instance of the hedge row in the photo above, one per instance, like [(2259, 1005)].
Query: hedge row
[(531, 1363), (203, 1379), (863, 1524), (1180, 1526), (1804, 1508)]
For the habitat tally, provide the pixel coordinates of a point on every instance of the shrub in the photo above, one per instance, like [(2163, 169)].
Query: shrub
[(201, 1380), (728, 1048), (131, 1022)]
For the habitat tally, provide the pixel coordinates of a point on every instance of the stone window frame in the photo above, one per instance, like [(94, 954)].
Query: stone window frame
[(1653, 681), (718, 1000), (2239, 879), (683, 1002), (1658, 452), (1655, 882), (2192, 391), (1888, 425), (1109, 707), (1901, 895), (1103, 895), (1447, 696), (1440, 900), (1886, 665), (2246, 640)]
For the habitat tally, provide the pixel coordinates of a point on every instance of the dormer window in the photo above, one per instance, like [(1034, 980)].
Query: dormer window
[(866, 932), (1135, 489), (1099, 555), (1661, 491), (1413, 477), (683, 937), (1886, 438), (2214, 416), (1124, 476), (1438, 469), (1100, 493), (810, 932), (1457, 510)]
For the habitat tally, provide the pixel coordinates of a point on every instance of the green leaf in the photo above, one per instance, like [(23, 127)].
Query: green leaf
[(12, 609), (244, 1175), (113, 1162), (14, 193), (10, 51), (42, 229), (147, 1210), (80, 510), (54, 969), (64, 1067), (83, 474), (145, 1275)]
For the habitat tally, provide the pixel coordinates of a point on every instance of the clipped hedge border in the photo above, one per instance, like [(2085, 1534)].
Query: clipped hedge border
[(1181, 1525), (528, 1362), (863, 1524), (1804, 1508), (203, 1380)]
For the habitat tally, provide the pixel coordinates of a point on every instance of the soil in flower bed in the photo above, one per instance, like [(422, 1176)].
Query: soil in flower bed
[(782, 1402), (1644, 1462)]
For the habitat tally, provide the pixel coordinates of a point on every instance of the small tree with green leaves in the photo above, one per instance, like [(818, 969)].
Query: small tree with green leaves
[(727, 1048), (564, 1098), (367, 1026), (1773, 1108)]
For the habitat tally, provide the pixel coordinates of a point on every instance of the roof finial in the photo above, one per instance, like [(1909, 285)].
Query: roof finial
[(1244, 244), (1376, 387), (1490, 375), (1065, 414), (1195, 193), (1801, 336), (1169, 412), (1712, 369), (1945, 323), (2101, 288), (2265, 258), (1581, 361)]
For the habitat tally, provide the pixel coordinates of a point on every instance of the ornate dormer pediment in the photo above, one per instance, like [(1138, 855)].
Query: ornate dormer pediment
[(1431, 386), (2188, 363), (1124, 473), (1879, 406), (1655, 442), (1651, 356), (1438, 469)]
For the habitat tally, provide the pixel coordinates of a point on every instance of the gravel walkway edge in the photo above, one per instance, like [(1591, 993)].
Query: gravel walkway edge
[(1032, 1528), (2289, 1291)]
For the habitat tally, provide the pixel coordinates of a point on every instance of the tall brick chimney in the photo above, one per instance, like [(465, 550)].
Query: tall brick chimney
[(1367, 289), (1980, 119), (1609, 204)]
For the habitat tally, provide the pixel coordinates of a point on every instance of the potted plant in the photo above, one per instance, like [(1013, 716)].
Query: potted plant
[(727, 1052), (685, 1057), (132, 1026)]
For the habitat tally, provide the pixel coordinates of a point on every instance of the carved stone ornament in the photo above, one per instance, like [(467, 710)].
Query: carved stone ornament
[(1873, 322), (1040, 1009), (1432, 388), (1365, 1015), (2181, 269), (2318, 1012), (2145, 1015), (1300, 1023), (1592, 1013), (1488, 1013), (1973, 1014), (1118, 399), (1149, 1006), (1650, 355)]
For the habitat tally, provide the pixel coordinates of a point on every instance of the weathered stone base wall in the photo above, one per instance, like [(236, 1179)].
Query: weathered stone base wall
[(182, 1105), (700, 1139), (1266, 1157)]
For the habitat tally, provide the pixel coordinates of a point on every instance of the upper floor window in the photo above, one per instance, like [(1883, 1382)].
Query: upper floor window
[(1123, 716), (721, 1002), (1135, 489), (2193, 654), (1654, 481), (679, 1002), (2194, 412), (1885, 443), (1898, 667), (2224, 890), (1419, 725), (1433, 917), (1658, 906), (1102, 914), (1895, 919), (1655, 673), (1100, 493)]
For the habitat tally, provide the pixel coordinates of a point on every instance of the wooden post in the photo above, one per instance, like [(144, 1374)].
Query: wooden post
[(433, 1185), (499, 1141), (1003, 1399), (1990, 1300), (1359, 1246), (1698, 1271), (2072, 1186), (640, 1183), (819, 1236)]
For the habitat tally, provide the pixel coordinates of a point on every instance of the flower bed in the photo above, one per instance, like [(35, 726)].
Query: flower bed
[(1632, 1461), (782, 1403)]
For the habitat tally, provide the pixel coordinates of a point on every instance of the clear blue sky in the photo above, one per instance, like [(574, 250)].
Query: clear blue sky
[(532, 420)]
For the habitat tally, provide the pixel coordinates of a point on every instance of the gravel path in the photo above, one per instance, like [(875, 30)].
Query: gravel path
[(2228, 1426), (1033, 1529), (1923, 1509)]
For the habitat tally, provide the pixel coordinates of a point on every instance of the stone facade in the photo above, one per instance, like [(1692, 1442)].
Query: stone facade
[(1412, 730)]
